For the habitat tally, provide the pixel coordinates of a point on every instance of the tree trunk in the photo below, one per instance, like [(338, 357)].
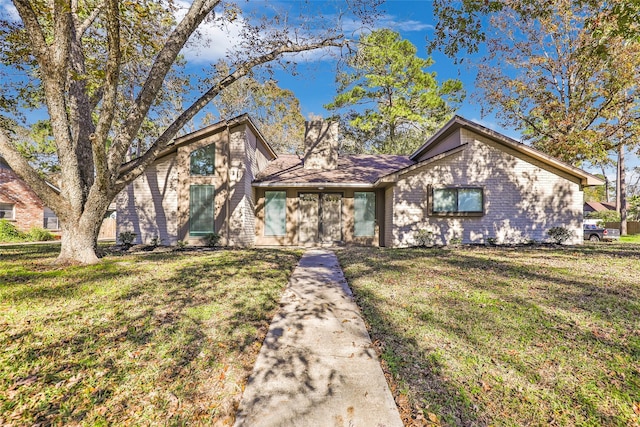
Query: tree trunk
[(622, 191), (80, 236)]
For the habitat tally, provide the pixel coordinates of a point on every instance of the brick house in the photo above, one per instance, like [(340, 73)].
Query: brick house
[(466, 182), (20, 205)]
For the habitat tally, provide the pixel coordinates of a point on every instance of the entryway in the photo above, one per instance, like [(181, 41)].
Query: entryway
[(320, 218)]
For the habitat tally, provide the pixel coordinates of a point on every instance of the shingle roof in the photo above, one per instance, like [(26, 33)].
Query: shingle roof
[(352, 169), (601, 206)]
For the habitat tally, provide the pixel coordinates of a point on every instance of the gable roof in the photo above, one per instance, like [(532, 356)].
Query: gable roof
[(362, 170), (458, 122), (600, 206)]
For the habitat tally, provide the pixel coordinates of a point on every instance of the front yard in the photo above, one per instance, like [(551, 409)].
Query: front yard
[(152, 339), (506, 336)]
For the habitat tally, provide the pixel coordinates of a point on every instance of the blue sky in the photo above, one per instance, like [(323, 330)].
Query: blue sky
[(314, 85)]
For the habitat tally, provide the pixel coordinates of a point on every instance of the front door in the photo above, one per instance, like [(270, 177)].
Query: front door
[(320, 218)]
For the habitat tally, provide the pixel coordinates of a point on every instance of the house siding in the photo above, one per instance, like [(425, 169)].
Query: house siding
[(523, 197), (241, 173), (149, 205)]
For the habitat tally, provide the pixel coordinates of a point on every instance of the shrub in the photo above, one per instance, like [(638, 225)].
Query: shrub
[(127, 238), (181, 244), (9, 232), (605, 216), (212, 239), (39, 234), (559, 235), (455, 241), (425, 238), (155, 241)]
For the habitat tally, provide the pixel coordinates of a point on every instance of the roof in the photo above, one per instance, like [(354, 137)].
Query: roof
[(361, 170), (458, 122), (600, 206)]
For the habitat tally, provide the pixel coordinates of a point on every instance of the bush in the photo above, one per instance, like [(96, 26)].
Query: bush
[(559, 235), (605, 216), (39, 234), (212, 239), (155, 241), (127, 238), (425, 238), (9, 232)]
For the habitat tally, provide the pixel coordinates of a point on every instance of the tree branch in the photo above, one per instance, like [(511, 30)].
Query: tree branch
[(110, 88), (137, 167), (161, 66)]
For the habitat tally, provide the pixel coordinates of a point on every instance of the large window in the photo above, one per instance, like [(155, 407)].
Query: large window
[(457, 201), (201, 210), (6, 211), (275, 213), (365, 213), (202, 160)]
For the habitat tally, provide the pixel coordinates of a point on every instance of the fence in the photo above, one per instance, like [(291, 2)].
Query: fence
[(108, 229), (633, 227)]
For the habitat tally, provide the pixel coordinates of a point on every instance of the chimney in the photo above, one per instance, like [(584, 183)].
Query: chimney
[(321, 145)]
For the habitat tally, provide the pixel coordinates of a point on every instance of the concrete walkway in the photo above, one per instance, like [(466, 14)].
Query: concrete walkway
[(317, 366)]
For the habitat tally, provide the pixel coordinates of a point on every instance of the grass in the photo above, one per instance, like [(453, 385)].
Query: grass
[(153, 339), (505, 336), (635, 238)]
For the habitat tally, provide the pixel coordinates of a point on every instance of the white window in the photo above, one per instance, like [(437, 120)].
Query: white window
[(7, 211)]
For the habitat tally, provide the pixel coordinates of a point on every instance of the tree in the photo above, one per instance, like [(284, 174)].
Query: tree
[(397, 102), (276, 110), (563, 73), (107, 72)]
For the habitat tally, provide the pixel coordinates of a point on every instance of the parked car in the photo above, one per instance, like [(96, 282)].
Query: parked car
[(595, 233)]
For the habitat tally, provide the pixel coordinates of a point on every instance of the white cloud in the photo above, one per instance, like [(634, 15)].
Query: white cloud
[(215, 40), (386, 21)]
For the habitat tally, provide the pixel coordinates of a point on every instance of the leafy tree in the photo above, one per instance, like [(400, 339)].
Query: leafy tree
[(396, 102), (561, 72), (276, 110), (108, 74)]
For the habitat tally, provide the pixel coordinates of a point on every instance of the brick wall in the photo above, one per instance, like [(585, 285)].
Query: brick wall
[(523, 197), (28, 208)]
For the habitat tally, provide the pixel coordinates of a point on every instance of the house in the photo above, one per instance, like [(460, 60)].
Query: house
[(466, 182), (590, 207), (20, 205)]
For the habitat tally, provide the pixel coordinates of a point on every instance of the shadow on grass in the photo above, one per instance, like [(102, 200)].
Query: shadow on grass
[(514, 317), (141, 338)]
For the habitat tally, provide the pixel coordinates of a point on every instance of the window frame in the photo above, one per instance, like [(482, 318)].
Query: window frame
[(355, 216), (202, 233), (267, 230), (212, 155), (12, 208), (455, 213)]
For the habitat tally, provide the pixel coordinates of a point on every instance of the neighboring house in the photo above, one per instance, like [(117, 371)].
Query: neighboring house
[(598, 207), (20, 205), (466, 182)]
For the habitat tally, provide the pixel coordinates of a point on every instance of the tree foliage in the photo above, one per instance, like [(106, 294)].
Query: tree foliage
[(276, 110), (547, 77), (394, 102), (108, 73)]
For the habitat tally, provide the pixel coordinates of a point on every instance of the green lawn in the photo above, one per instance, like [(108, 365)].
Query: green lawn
[(154, 339), (630, 239), (506, 336)]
